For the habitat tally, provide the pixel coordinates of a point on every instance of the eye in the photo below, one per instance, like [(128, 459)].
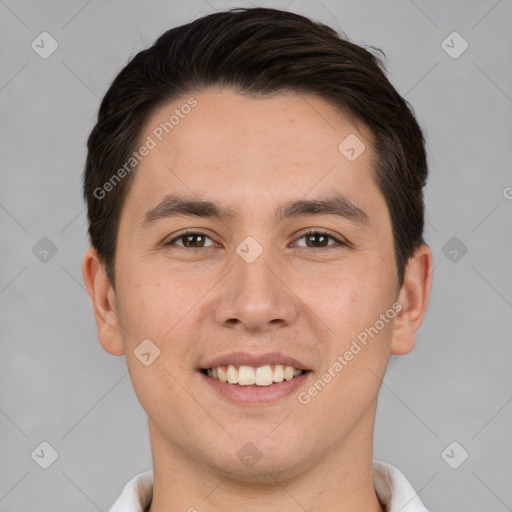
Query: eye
[(319, 239), (196, 240), (191, 240)]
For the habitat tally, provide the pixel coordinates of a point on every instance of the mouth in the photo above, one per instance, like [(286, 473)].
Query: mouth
[(261, 376), (251, 379)]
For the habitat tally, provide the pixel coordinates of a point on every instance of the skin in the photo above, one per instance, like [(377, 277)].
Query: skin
[(296, 298)]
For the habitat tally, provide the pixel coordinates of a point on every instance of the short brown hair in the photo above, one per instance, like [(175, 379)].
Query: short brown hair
[(257, 51)]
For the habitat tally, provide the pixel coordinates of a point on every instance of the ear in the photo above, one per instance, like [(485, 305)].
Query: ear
[(413, 297), (103, 302)]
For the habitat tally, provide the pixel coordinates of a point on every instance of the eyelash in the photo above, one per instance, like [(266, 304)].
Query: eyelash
[(311, 232)]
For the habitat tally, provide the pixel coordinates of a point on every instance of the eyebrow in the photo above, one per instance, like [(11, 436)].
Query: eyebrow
[(173, 205)]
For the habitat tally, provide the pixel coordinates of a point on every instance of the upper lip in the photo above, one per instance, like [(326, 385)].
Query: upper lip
[(255, 360)]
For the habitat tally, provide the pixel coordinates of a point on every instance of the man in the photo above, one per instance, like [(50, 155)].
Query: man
[(254, 188)]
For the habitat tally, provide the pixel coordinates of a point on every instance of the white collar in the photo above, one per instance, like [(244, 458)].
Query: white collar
[(393, 490)]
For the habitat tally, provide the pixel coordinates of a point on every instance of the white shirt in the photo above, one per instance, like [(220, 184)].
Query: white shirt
[(393, 490)]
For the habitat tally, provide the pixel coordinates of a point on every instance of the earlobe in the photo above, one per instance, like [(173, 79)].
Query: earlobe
[(103, 301), (414, 296)]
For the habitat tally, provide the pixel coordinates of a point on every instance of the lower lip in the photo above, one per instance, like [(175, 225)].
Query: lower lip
[(256, 395)]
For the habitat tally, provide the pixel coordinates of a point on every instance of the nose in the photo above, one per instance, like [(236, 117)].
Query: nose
[(257, 296)]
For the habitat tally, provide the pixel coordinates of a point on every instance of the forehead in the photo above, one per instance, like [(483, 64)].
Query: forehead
[(243, 149), (224, 126)]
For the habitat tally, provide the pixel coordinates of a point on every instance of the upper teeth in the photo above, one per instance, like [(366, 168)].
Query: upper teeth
[(247, 375)]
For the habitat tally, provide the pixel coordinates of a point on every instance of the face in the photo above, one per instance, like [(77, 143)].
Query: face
[(258, 277)]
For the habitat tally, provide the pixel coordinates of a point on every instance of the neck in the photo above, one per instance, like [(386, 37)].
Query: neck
[(340, 479)]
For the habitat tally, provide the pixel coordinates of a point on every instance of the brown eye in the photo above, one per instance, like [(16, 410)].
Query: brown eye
[(319, 239), (190, 240)]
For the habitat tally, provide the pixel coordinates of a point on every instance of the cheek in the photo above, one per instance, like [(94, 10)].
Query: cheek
[(154, 299), (360, 342), (157, 308), (358, 347), (352, 302)]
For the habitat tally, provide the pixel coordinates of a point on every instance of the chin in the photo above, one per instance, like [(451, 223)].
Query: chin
[(261, 462)]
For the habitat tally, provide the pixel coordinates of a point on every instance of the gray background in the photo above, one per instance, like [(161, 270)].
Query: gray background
[(57, 383)]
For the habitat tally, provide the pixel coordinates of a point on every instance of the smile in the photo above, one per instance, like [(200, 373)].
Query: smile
[(253, 376)]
